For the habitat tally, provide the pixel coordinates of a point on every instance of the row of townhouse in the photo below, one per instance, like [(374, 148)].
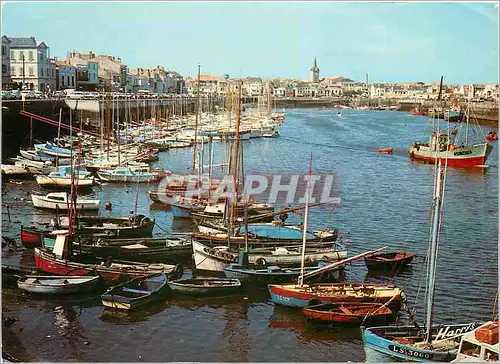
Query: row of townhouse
[(26, 64)]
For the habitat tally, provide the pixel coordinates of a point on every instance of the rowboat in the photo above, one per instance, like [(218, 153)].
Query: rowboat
[(58, 285), (347, 313), (390, 262), (15, 171), (60, 201), (385, 150), (135, 293), (205, 286)]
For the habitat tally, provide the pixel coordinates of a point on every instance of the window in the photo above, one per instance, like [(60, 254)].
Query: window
[(4, 69), (62, 80), (31, 55), (12, 71), (31, 71), (48, 72), (41, 55), (41, 72), (72, 80), (21, 72), (21, 54), (12, 55), (4, 51), (67, 79)]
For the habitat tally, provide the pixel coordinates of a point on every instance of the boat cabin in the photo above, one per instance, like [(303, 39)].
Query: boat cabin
[(480, 345), (438, 142)]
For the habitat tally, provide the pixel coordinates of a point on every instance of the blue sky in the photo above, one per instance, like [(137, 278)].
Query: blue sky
[(390, 41)]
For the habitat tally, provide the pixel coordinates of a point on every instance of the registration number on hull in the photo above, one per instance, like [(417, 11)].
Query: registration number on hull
[(409, 352)]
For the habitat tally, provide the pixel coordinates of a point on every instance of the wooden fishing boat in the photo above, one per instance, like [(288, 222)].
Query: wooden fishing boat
[(60, 201), (58, 285), (165, 249), (60, 261), (390, 262), (212, 218), (205, 286), (217, 258), (385, 150), (347, 312), (135, 293), (295, 295), (270, 274), (135, 226)]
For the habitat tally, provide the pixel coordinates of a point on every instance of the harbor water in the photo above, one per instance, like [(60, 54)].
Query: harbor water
[(384, 200)]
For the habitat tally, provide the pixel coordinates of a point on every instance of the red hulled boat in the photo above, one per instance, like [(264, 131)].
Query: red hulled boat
[(347, 312), (58, 262)]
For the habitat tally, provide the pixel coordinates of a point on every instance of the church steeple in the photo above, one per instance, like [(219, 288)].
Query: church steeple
[(314, 72)]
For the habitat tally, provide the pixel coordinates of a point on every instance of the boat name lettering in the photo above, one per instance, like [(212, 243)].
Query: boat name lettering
[(446, 332), (408, 352), (463, 152)]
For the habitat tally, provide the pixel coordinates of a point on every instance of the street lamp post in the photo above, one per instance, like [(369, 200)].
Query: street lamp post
[(22, 87)]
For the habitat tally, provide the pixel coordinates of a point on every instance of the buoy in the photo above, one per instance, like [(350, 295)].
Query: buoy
[(108, 206), (385, 150)]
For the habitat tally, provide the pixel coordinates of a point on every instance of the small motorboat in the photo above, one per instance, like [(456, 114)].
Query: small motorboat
[(347, 312), (58, 285), (135, 293), (60, 201), (385, 150), (390, 262), (339, 114), (205, 286)]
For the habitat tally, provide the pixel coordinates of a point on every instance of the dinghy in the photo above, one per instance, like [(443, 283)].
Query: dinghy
[(58, 285), (135, 293), (389, 262), (205, 286)]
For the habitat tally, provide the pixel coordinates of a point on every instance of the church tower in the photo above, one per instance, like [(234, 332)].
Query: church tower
[(314, 73)]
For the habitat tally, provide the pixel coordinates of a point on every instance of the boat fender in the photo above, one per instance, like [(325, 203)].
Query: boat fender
[(260, 261), (144, 220)]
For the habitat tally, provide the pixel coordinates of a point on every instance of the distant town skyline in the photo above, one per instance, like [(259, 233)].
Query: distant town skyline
[(392, 42)]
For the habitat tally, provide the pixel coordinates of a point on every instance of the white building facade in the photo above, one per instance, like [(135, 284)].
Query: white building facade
[(30, 65)]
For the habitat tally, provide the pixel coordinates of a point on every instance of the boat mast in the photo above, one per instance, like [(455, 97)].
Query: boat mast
[(467, 115), (108, 119), (433, 249), (236, 153), (196, 118), (304, 234)]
